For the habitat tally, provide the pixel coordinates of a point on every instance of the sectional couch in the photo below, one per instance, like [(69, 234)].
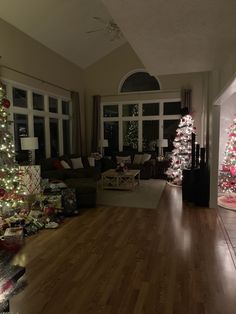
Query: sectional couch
[(76, 172)]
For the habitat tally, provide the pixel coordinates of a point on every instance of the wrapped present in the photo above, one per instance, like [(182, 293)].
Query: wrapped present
[(69, 202), (13, 239)]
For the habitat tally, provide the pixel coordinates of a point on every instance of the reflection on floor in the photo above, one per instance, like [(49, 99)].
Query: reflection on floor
[(229, 221)]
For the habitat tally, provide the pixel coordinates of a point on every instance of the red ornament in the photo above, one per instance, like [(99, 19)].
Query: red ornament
[(232, 170), (6, 103), (2, 192)]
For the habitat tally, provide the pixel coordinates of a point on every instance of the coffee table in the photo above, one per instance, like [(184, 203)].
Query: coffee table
[(111, 179)]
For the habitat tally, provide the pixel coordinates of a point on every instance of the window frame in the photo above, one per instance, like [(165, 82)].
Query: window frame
[(140, 118), (30, 112)]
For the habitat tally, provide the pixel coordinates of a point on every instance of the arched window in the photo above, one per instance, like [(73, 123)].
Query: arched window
[(140, 82)]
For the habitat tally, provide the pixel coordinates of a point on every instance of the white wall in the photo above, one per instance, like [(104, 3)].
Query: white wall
[(103, 78)]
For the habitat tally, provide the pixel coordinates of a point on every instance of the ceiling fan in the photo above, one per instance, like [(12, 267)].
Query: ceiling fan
[(109, 27)]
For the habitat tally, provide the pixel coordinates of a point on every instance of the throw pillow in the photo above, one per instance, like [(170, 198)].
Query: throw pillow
[(145, 158), (124, 159), (91, 161), (137, 159), (77, 163), (57, 165), (65, 164)]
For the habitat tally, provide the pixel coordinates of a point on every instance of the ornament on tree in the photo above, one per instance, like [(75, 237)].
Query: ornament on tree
[(6, 103), (2, 192), (181, 154)]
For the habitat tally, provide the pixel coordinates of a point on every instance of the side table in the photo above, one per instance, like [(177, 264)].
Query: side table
[(161, 167)]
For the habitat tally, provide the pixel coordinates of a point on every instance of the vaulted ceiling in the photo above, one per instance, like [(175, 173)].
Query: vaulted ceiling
[(168, 36)]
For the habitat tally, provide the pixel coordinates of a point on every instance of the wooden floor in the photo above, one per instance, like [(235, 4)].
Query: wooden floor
[(170, 260)]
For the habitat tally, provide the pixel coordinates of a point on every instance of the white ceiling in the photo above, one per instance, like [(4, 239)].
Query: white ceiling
[(168, 36), (176, 36), (61, 25)]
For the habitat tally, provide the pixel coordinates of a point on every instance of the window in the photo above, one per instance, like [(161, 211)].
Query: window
[(38, 102), (19, 98), (139, 82), (35, 113), (53, 104), (20, 130), (39, 132), (54, 139), (136, 126)]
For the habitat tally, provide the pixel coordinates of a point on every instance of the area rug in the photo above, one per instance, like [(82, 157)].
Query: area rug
[(145, 195), (227, 201)]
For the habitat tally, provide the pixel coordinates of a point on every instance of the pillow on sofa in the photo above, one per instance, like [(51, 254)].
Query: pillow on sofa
[(77, 163), (64, 164), (137, 159), (146, 157), (124, 159), (57, 165)]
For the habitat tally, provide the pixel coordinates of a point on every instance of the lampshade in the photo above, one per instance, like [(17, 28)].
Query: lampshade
[(103, 143), (162, 143), (29, 143)]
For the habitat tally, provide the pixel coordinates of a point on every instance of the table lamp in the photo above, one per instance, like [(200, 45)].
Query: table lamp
[(161, 144), (102, 144), (30, 144)]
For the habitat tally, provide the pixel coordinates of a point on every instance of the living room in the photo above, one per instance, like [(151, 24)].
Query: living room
[(41, 64)]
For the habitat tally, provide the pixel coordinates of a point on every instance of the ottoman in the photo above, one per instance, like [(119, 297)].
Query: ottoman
[(86, 191)]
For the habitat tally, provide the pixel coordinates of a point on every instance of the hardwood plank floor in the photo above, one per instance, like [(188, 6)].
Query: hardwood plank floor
[(170, 260)]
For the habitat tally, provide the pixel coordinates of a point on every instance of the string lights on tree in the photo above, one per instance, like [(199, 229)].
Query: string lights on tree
[(10, 186), (181, 154)]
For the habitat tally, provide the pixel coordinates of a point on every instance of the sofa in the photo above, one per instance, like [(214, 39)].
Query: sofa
[(145, 162), (80, 173)]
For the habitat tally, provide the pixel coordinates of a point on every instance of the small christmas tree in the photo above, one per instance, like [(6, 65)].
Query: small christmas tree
[(131, 138), (10, 187), (227, 178), (181, 154)]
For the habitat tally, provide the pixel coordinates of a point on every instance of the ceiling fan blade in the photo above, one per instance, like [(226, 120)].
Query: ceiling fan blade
[(95, 30), (99, 19)]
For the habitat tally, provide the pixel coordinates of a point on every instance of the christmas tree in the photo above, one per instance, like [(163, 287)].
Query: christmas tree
[(181, 154), (131, 138), (10, 187), (227, 178)]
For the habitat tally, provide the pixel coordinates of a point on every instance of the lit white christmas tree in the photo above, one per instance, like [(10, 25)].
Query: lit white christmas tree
[(181, 154), (10, 186), (227, 178), (131, 138)]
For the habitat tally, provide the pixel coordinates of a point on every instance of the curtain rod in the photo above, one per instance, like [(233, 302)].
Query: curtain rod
[(35, 78)]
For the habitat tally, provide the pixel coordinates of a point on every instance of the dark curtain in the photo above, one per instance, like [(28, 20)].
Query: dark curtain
[(186, 99), (76, 124), (96, 122)]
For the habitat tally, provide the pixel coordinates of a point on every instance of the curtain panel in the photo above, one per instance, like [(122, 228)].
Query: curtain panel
[(76, 124), (96, 122)]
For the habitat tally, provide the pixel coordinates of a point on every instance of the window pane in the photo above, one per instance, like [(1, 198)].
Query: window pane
[(110, 111), (150, 135), (151, 109), (53, 104), (54, 137), (66, 136), (169, 132), (65, 106), (111, 134), (20, 130), (38, 102), (19, 98), (172, 108), (130, 135), (140, 81), (40, 134), (130, 110)]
